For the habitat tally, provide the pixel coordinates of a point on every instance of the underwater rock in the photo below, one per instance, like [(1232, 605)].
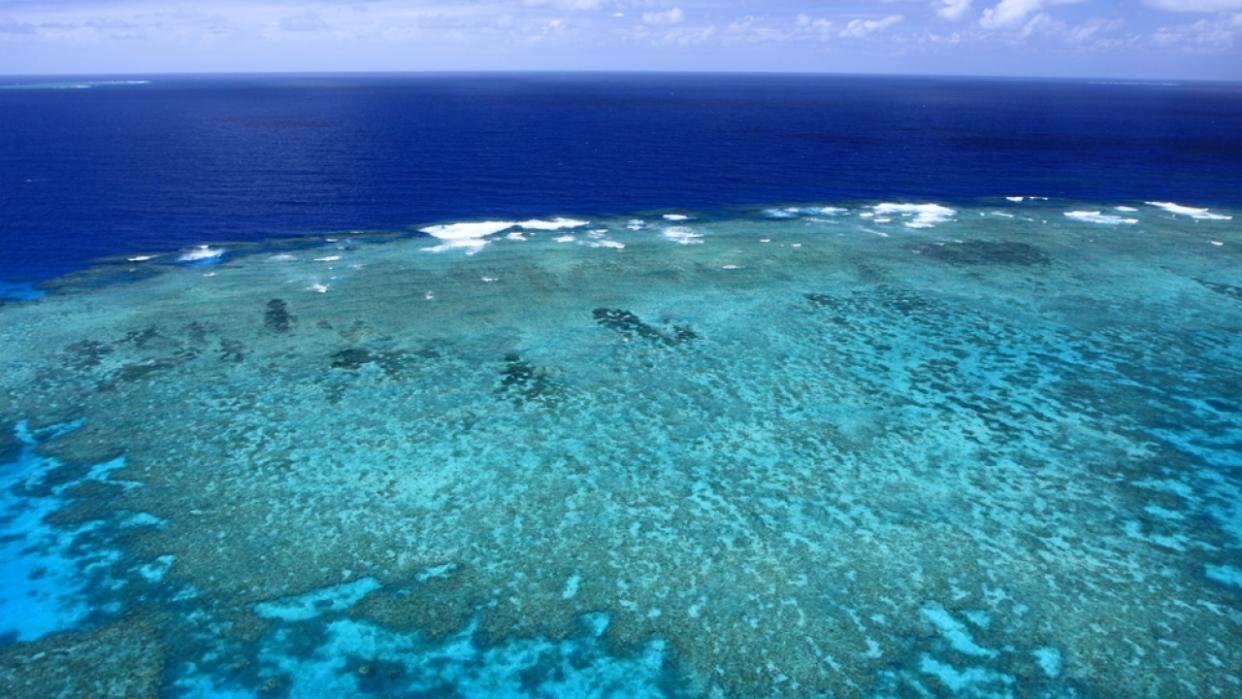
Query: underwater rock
[(630, 325), (123, 659), (10, 446), (1234, 292), (232, 351), (277, 317), (145, 338), (86, 354), (351, 359), (902, 301), (526, 382), (392, 362), (986, 252)]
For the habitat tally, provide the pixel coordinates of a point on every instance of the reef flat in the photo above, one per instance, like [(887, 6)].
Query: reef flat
[(869, 449)]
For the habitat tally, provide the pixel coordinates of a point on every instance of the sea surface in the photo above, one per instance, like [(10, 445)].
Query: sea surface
[(620, 386)]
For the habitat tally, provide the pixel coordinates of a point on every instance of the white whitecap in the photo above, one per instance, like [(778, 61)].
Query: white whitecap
[(683, 235), (470, 245), (676, 217), (281, 257), (555, 224), (318, 288), (1127, 209), (515, 235), (200, 254), (565, 239), (608, 244), (730, 267), (1016, 199), (794, 211), (1193, 212), (141, 258), (470, 230), (1098, 217), (917, 215), (328, 258)]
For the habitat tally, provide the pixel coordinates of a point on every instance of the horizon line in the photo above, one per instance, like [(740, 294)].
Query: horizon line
[(571, 71)]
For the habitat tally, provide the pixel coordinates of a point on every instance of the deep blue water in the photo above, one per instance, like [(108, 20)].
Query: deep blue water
[(185, 160)]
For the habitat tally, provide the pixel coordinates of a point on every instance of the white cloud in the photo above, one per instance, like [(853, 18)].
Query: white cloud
[(862, 27), (673, 16), (1010, 13), (1201, 36), (953, 9), (1195, 5)]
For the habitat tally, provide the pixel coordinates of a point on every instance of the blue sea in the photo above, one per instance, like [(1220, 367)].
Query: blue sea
[(606, 385)]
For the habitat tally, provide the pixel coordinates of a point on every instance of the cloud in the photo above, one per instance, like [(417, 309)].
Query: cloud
[(1010, 13), (953, 9), (1195, 5), (862, 27), (673, 16), (1202, 36), (305, 22)]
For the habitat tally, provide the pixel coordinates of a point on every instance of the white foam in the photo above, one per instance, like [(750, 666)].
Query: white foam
[(141, 258), (318, 288), (200, 253), (282, 257), (488, 280), (1195, 213), (1127, 209), (795, 211), (683, 235), (516, 235), (730, 267), (329, 258), (765, 240), (1217, 243), (1002, 214), (676, 217), (565, 239), (470, 245), (1098, 217), (608, 244), (920, 215), (635, 224), (555, 224), (467, 231), (1016, 200)]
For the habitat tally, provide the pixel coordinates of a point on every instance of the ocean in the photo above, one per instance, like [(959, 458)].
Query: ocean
[(620, 385), (128, 168)]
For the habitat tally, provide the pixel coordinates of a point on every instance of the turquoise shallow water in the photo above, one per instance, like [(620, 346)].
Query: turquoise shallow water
[(864, 450)]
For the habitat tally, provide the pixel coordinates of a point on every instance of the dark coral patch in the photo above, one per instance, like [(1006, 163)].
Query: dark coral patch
[(525, 382), (1234, 292), (985, 252), (351, 359), (86, 354), (277, 317), (393, 362), (630, 325)]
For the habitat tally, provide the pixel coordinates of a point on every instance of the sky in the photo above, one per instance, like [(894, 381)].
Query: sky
[(1131, 39)]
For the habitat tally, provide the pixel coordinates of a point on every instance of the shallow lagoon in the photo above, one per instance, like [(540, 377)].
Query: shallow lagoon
[(852, 450)]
